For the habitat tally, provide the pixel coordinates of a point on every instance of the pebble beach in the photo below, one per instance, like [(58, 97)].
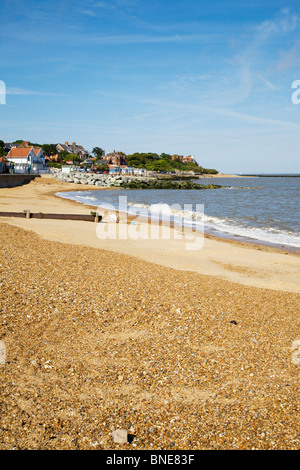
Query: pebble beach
[(95, 340)]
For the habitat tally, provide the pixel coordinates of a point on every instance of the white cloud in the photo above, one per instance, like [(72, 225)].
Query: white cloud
[(145, 39), (21, 91), (283, 23), (267, 82)]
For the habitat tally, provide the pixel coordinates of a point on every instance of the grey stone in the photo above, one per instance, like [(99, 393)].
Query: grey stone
[(98, 177)]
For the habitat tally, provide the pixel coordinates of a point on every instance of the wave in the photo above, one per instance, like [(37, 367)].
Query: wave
[(197, 219), (206, 223)]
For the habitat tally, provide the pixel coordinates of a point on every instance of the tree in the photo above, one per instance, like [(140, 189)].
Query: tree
[(140, 160), (165, 156), (101, 166), (98, 152), (164, 162), (210, 171), (2, 145), (72, 157), (62, 156), (49, 149), (32, 144), (159, 165)]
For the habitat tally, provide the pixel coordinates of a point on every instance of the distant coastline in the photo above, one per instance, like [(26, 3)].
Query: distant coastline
[(270, 175), (220, 175)]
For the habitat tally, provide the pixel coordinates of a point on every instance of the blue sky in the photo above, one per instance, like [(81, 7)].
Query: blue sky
[(211, 79)]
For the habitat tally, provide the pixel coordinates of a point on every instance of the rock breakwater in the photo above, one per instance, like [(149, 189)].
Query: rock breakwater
[(128, 182), (101, 180)]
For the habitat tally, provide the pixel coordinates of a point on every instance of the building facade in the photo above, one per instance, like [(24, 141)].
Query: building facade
[(73, 148), (182, 159), (26, 159), (115, 159)]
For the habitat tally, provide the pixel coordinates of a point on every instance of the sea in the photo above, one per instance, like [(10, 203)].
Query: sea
[(257, 209)]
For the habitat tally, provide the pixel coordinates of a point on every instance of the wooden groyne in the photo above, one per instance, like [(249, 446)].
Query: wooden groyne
[(93, 217)]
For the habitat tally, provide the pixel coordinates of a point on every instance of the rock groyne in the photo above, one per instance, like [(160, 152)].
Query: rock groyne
[(101, 180), (129, 182)]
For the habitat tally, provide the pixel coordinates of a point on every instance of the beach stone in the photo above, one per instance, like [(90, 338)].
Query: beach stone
[(120, 436), (296, 352), (2, 353)]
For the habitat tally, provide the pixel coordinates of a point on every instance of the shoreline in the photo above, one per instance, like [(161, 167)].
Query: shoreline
[(245, 263), (209, 233)]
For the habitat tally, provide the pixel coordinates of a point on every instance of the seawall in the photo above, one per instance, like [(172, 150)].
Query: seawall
[(11, 180)]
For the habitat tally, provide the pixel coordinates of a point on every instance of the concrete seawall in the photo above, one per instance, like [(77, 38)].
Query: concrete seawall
[(10, 181)]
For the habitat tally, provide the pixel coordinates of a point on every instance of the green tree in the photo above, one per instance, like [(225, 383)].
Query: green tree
[(98, 152), (49, 149), (165, 156), (72, 157), (164, 162), (101, 166), (54, 164), (62, 156), (33, 144), (2, 145), (210, 171), (159, 165)]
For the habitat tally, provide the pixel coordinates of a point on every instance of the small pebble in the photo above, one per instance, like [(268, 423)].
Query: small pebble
[(120, 436)]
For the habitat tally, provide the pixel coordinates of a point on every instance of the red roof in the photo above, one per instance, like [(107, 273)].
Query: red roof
[(21, 152), (18, 152)]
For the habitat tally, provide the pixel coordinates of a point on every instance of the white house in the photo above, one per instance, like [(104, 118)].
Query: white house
[(26, 159)]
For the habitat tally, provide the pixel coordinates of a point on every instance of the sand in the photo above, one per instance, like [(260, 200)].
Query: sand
[(184, 352), (238, 262)]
